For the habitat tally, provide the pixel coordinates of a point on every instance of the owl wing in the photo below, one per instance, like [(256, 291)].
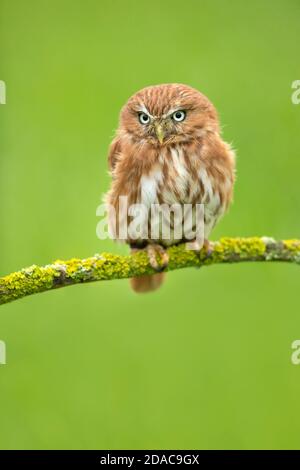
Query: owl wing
[(114, 153)]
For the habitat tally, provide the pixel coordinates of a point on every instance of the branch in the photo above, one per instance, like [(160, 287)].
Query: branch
[(107, 266)]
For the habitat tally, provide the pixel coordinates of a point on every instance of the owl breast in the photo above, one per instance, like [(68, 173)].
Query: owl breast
[(179, 177)]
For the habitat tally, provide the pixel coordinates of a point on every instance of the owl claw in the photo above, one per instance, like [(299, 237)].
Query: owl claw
[(208, 247), (197, 247), (155, 251)]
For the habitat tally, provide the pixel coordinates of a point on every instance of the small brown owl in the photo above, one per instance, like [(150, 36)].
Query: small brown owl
[(167, 150)]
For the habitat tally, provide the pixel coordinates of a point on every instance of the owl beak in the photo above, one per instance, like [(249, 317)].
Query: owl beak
[(159, 132)]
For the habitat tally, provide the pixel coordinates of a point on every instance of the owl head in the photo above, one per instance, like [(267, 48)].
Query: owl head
[(167, 114)]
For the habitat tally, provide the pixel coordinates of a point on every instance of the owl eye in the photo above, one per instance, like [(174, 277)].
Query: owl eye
[(179, 116), (144, 118)]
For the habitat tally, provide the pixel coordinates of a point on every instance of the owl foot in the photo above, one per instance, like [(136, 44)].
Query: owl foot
[(197, 247), (208, 247), (154, 252)]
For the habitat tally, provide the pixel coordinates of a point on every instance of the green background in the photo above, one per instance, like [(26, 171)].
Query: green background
[(206, 361)]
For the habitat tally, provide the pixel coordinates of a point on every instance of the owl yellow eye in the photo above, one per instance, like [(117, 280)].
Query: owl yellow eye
[(144, 118), (178, 116)]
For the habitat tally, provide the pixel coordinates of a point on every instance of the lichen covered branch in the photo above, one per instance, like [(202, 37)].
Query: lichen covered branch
[(107, 266)]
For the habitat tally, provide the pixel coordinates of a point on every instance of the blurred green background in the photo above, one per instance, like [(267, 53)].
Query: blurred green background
[(205, 361)]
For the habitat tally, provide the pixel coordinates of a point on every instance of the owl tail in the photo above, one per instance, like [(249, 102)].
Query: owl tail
[(147, 283), (150, 282)]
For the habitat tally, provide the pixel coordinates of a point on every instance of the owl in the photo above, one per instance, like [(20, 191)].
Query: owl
[(168, 149)]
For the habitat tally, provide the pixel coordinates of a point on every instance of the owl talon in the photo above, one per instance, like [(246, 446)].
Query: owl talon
[(155, 251), (208, 247), (198, 247)]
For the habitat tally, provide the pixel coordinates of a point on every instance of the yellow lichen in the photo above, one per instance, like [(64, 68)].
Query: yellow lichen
[(108, 266), (292, 245)]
